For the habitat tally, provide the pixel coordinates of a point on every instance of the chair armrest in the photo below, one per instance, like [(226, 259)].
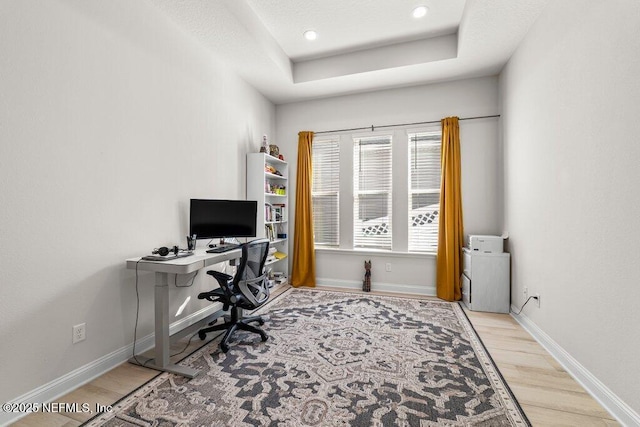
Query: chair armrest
[(220, 277), (225, 281)]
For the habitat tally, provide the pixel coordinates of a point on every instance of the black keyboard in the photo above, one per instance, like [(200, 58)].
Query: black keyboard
[(221, 249)]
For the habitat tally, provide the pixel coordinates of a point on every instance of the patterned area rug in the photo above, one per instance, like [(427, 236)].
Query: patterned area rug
[(335, 359)]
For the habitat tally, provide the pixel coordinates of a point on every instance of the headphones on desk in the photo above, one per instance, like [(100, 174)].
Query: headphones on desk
[(164, 251)]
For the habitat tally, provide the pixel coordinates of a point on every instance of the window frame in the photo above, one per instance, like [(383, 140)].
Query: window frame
[(414, 245), (360, 241)]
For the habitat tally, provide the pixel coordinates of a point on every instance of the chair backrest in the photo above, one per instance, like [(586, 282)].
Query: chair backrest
[(250, 279)]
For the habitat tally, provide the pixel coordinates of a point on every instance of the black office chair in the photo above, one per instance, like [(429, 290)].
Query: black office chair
[(247, 290)]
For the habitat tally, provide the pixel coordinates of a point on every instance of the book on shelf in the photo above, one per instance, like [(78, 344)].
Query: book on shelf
[(270, 231), (271, 258), (268, 212), (276, 212)]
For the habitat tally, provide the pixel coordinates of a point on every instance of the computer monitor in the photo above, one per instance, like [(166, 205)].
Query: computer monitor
[(211, 219)]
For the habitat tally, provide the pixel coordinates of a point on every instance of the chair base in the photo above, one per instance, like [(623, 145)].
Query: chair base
[(234, 323)]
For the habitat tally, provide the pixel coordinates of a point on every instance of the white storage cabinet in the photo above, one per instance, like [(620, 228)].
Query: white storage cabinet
[(485, 281)]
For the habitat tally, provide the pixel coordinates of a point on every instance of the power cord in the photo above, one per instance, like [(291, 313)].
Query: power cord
[(525, 303), (186, 346)]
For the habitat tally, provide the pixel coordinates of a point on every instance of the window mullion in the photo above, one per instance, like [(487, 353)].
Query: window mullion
[(400, 191), (346, 191)]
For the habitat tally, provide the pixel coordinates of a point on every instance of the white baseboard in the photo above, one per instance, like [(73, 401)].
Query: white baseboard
[(377, 286), (78, 377), (612, 403)]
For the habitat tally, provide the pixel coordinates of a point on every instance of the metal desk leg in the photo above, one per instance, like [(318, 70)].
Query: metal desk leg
[(161, 361)]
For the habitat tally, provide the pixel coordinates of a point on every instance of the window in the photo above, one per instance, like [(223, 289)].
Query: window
[(424, 190), (367, 188), (325, 191), (372, 192)]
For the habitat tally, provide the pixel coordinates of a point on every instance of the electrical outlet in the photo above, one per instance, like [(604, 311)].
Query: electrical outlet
[(537, 299), (387, 266), (79, 333)]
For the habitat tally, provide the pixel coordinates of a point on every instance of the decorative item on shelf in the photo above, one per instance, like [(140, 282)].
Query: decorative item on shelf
[(366, 283), (279, 212), (263, 148), (275, 189), (281, 157), (270, 169), (279, 277), (274, 150)]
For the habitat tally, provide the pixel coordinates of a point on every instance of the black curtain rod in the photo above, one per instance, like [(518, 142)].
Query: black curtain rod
[(372, 128)]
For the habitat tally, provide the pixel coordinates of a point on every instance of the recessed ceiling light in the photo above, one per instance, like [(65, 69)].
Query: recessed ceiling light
[(420, 11), (310, 35)]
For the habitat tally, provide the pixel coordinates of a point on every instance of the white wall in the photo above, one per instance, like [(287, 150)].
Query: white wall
[(570, 113), (481, 165), (111, 118)]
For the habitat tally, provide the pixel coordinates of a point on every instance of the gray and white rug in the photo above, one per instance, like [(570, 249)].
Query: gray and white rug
[(335, 359)]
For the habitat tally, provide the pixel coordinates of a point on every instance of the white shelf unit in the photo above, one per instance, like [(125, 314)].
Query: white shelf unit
[(261, 186)]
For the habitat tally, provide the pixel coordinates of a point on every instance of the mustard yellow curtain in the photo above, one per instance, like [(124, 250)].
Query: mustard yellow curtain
[(303, 272), (451, 234)]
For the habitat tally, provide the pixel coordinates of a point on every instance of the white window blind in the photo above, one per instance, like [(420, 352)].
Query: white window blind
[(325, 162), (424, 190), (372, 192)]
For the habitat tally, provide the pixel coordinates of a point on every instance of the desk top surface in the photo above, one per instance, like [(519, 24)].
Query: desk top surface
[(200, 259)]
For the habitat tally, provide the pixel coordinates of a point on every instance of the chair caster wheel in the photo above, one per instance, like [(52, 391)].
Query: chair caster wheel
[(202, 335), (224, 348), (260, 322), (264, 337)]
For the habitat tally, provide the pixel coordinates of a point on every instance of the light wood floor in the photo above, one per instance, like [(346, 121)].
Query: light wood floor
[(548, 395)]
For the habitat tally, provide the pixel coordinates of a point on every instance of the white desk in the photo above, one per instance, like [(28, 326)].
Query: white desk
[(163, 269)]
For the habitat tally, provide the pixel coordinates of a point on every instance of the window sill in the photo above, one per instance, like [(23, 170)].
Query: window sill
[(374, 252)]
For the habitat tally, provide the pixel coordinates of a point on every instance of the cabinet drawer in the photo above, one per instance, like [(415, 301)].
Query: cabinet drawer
[(466, 290), (466, 263)]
